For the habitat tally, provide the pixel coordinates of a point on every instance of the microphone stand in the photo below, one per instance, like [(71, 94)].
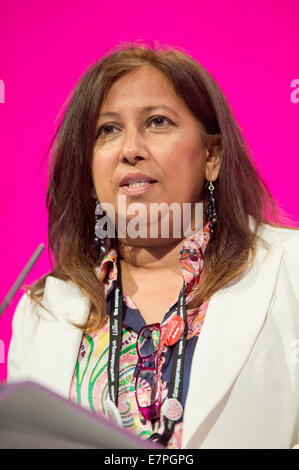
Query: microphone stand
[(21, 278)]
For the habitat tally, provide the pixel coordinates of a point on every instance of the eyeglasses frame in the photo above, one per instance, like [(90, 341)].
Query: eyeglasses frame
[(152, 411)]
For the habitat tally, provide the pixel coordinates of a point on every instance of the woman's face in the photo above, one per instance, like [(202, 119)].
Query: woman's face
[(144, 127)]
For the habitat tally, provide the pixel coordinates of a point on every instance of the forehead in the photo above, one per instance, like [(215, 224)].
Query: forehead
[(146, 86)]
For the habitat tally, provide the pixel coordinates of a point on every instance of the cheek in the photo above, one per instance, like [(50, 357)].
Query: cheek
[(186, 164), (101, 170), (101, 178), (185, 150)]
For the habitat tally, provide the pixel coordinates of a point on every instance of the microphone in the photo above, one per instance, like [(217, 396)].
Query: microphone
[(21, 278)]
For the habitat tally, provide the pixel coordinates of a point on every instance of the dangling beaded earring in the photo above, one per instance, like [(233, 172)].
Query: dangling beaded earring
[(211, 209), (98, 239)]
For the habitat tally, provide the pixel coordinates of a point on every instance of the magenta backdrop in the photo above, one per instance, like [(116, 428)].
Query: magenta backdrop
[(250, 49)]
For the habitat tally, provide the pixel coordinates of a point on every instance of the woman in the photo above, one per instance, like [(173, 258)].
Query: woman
[(187, 340)]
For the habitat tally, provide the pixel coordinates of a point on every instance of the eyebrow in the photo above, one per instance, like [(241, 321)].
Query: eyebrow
[(144, 110)]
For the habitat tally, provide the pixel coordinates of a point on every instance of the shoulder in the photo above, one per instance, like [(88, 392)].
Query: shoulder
[(279, 236), (61, 300), (64, 300), (287, 240), (26, 314)]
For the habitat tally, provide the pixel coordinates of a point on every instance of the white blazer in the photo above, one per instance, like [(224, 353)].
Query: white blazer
[(244, 382)]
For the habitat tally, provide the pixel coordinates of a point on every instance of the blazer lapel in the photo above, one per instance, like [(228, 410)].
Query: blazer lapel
[(234, 319), (56, 344)]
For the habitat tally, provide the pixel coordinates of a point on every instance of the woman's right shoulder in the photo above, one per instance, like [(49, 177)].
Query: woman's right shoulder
[(26, 317), (30, 310), (59, 300)]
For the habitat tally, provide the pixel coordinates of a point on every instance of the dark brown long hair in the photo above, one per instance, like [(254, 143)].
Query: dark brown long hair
[(239, 190)]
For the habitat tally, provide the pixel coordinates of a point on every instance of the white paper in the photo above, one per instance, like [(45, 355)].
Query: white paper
[(32, 416)]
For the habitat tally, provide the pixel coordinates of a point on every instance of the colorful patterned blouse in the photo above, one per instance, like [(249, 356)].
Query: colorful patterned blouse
[(89, 386)]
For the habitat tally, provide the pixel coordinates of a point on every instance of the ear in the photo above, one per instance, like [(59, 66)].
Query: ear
[(213, 157)]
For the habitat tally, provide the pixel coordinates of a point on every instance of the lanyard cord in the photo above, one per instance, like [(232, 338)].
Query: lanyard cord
[(175, 388), (115, 339), (176, 378)]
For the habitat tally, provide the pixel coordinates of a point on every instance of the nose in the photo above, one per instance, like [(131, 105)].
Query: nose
[(133, 148)]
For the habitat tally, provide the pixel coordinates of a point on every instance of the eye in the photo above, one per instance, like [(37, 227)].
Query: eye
[(159, 120), (104, 130)]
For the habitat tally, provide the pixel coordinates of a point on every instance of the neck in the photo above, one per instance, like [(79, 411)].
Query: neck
[(152, 255), (151, 258)]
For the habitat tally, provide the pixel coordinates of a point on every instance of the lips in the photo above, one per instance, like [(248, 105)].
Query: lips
[(136, 178)]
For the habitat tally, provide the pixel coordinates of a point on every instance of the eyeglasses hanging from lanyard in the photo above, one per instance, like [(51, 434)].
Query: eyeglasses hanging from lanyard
[(148, 385), (172, 408)]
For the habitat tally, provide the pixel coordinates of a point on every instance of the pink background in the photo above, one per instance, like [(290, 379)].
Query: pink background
[(250, 49)]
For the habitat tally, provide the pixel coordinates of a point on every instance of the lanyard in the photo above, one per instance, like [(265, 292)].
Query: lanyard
[(176, 378)]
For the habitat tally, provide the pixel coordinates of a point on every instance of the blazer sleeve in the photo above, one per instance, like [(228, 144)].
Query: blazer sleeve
[(291, 261), (24, 325)]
